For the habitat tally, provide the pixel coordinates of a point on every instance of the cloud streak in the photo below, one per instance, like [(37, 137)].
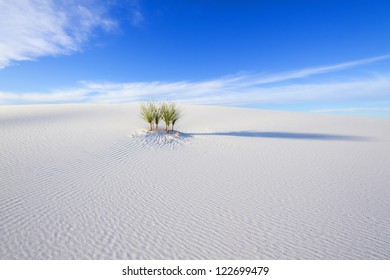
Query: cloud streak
[(308, 72), (35, 28), (234, 90)]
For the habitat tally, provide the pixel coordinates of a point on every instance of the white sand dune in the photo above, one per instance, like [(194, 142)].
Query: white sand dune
[(85, 182)]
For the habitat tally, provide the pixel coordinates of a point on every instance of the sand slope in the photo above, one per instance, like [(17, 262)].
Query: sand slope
[(86, 182)]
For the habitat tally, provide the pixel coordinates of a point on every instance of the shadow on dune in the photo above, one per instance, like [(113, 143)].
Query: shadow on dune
[(287, 135)]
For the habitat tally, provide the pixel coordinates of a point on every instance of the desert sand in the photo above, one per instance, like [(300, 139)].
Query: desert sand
[(89, 182)]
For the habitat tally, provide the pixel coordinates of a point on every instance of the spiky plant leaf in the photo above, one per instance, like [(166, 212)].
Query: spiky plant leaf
[(166, 114), (176, 115), (148, 112), (157, 115)]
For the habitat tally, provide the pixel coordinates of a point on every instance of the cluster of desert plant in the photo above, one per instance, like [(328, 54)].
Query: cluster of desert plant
[(153, 112)]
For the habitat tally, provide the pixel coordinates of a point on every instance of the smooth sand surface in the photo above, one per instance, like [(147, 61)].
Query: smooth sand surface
[(87, 182)]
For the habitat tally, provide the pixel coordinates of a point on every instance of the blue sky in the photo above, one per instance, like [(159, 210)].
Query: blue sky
[(323, 56)]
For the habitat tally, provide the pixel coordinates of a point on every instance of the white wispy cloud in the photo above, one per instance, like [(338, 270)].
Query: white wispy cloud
[(216, 92), (137, 17), (307, 72), (35, 28), (234, 90)]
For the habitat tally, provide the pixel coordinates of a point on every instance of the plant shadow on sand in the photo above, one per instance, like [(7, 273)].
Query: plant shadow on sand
[(287, 135)]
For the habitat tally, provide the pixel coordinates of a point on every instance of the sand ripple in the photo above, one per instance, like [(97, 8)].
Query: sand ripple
[(75, 184)]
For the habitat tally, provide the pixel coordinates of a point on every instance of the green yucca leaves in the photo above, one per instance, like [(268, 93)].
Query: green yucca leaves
[(176, 115), (170, 113), (157, 116), (152, 113), (166, 114), (148, 113)]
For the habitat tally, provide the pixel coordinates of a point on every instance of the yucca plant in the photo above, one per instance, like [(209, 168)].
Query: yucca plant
[(170, 113), (157, 115), (176, 115), (152, 113), (166, 114), (148, 113)]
